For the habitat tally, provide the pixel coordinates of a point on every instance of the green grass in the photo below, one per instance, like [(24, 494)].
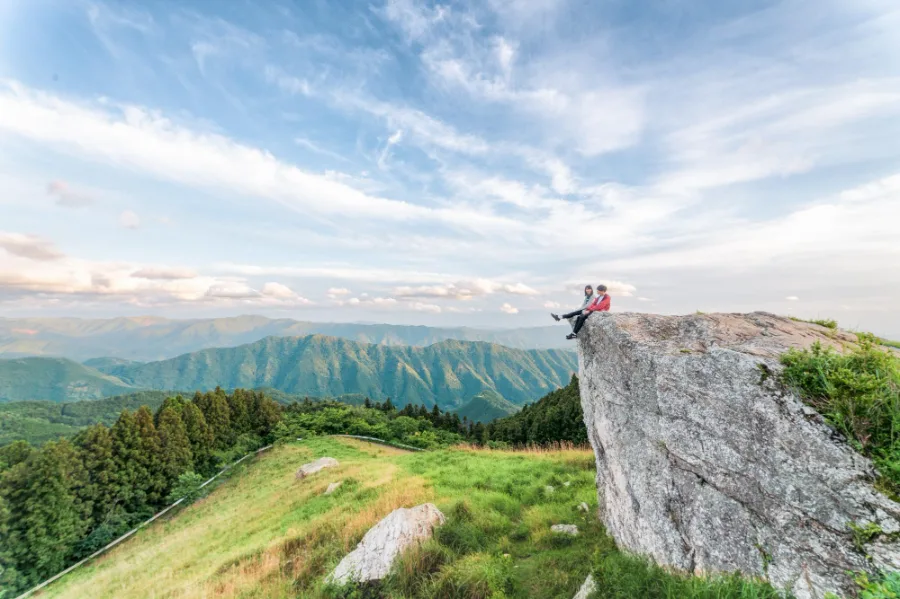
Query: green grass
[(858, 393), (262, 533), (889, 343), (828, 323)]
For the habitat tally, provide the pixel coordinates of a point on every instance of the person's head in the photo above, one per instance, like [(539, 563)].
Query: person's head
[(588, 290), (601, 289)]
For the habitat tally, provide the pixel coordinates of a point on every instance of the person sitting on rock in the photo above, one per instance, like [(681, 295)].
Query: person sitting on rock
[(600, 303), (588, 296)]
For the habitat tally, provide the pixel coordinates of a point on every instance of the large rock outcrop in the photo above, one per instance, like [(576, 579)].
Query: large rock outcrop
[(706, 464), (398, 531)]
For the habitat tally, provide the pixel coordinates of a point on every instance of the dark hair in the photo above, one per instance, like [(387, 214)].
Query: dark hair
[(588, 287), (601, 287)]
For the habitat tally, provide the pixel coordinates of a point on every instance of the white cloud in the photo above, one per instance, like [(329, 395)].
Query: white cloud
[(67, 197), (423, 307), (464, 290), (615, 288), (231, 290), (792, 298), (552, 305), (278, 290), (509, 309), (29, 246), (164, 273), (336, 292), (129, 220)]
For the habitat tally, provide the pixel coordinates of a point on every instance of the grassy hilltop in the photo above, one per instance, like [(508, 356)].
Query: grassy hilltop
[(263, 534)]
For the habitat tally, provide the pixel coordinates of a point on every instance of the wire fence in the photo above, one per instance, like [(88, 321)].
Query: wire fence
[(135, 529), (382, 442)]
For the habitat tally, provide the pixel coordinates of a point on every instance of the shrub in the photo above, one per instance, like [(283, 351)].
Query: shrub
[(188, 486), (887, 587), (858, 393)]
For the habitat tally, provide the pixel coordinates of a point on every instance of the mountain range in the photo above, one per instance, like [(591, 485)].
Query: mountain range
[(448, 373), (152, 338)]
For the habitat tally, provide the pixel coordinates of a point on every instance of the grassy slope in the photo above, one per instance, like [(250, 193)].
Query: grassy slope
[(263, 534), (55, 379), (446, 373)]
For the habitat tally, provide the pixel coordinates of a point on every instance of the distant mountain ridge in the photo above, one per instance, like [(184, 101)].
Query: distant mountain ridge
[(55, 379), (448, 373), (152, 338)]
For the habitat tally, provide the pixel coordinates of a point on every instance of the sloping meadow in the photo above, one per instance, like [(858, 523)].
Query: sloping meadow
[(262, 533)]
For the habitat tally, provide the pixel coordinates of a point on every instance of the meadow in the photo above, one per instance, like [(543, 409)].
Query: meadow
[(261, 533)]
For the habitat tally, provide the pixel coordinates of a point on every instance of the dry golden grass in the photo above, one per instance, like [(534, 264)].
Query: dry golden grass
[(261, 534)]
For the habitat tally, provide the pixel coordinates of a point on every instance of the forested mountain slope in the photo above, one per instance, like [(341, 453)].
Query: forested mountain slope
[(448, 373)]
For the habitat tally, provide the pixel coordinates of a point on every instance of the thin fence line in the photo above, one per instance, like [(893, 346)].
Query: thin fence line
[(135, 529), (383, 442)]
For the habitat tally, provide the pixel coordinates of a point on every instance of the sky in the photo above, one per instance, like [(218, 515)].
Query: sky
[(461, 163)]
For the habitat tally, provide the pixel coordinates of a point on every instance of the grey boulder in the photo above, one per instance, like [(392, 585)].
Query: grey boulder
[(373, 557), (316, 466), (706, 463)]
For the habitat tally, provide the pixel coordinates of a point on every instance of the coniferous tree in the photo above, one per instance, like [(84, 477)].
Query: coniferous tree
[(216, 412), (9, 575), (14, 453), (199, 436), (239, 407), (45, 516), (174, 446), (264, 415), (129, 472), (96, 445), (150, 457)]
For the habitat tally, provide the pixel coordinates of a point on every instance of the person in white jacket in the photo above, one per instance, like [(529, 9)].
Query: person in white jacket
[(588, 298)]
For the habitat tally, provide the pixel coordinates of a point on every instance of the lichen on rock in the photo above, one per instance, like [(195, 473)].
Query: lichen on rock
[(707, 464)]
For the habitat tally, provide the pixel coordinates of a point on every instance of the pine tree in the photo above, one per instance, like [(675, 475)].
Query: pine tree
[(129, 472), (200, 438), (216, 412), (45, 518), (265, 413), (149, 456), (174, 445), (96, 445), (239, 406), (14, 453), (388, 405), (10, 579)]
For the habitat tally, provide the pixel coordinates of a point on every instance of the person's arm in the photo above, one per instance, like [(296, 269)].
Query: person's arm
[(599, 305)]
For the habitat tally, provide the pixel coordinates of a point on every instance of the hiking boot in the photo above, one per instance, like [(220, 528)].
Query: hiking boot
[(571, 336), (555, 317)]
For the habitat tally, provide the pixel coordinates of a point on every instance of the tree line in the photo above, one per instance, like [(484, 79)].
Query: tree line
[(68, 498)]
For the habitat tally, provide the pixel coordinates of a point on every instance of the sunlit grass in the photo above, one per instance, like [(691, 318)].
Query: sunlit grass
[(264, 534)]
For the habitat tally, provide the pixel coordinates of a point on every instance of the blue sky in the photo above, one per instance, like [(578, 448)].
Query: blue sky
[(450, 163)]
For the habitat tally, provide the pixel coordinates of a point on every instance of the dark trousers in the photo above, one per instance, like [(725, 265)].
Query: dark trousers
[(579, 322), (571, 314)]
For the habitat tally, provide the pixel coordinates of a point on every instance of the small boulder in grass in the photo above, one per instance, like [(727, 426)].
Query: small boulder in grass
[(374, 556), (584, 507), (333, 487), (565, 529), (587, 588), (313, 467)]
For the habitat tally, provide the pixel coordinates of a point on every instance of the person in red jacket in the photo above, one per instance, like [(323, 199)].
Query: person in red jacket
[(600, 304)]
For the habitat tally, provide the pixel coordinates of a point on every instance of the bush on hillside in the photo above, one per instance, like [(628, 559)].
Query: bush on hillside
[(858, 393)]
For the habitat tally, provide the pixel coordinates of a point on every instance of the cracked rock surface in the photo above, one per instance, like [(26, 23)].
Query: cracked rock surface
[(706, 464), (373, 557)]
